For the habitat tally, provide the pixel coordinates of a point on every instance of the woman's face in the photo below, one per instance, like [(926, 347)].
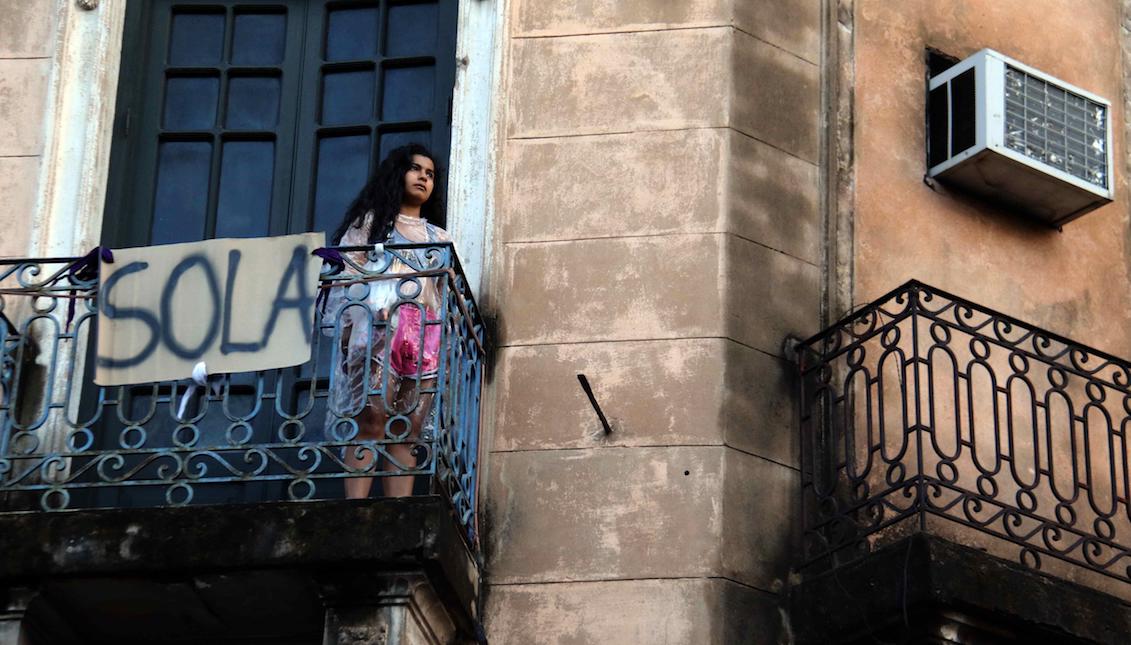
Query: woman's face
[(419, 180)]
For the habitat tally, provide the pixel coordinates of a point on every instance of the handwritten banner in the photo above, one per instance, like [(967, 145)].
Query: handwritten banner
[(238, 305)]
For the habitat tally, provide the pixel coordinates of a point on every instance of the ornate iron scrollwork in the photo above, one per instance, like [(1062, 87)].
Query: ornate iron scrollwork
[(925, 407), (67, 443)]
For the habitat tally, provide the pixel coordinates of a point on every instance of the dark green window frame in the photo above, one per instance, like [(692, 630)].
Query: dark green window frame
[(322, 147)]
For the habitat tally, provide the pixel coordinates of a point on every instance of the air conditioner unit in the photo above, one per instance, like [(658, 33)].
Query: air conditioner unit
[(1017, 136)]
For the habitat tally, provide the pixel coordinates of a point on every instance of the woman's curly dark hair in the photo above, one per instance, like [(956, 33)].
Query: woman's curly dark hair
[(384, 192)]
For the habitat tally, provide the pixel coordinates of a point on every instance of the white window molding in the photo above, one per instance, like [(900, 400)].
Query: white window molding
[(476, 114), (78, 124)]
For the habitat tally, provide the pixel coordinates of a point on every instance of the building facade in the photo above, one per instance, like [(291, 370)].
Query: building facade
[(665, 198)]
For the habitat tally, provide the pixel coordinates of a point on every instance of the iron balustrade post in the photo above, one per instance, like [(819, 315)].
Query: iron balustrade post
[(803, 457), (916, 426)]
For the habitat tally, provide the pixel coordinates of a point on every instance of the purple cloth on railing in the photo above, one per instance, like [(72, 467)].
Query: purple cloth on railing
[(85, 269), (334, 258)]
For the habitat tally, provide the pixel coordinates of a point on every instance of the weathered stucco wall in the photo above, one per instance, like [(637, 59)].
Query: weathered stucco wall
[(658, 230), (1074, 282), (27, 41)]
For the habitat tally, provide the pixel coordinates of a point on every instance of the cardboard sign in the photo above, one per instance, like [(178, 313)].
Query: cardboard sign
[(238, 305)]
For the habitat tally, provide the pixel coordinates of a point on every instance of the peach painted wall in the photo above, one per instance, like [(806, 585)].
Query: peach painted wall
[(1074, 282)]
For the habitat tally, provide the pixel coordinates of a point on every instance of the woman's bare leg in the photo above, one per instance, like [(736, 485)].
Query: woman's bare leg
[(371, 426), (407, 394)]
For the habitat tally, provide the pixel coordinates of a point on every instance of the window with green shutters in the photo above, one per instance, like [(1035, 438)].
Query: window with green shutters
[(240, 119), (252, 118)]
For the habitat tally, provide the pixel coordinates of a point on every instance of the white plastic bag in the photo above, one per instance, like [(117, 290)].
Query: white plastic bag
[(382, 293)]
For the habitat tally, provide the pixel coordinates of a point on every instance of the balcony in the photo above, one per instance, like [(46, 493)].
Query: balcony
[(959, 465), (240, 477)]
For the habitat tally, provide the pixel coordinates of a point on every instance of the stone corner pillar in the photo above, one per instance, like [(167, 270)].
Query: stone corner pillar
[(13, 615), (385, 609)]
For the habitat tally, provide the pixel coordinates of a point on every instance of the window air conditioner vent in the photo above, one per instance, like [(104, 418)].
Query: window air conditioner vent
[(1020, 137)]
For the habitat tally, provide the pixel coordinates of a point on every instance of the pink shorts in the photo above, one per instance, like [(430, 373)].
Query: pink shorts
[(406, 355)]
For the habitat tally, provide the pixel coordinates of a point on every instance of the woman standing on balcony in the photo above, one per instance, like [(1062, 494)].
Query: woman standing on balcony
[(396, 206)]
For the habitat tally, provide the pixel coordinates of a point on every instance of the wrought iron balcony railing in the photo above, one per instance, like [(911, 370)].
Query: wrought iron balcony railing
[(279, 434), (926, 412)]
